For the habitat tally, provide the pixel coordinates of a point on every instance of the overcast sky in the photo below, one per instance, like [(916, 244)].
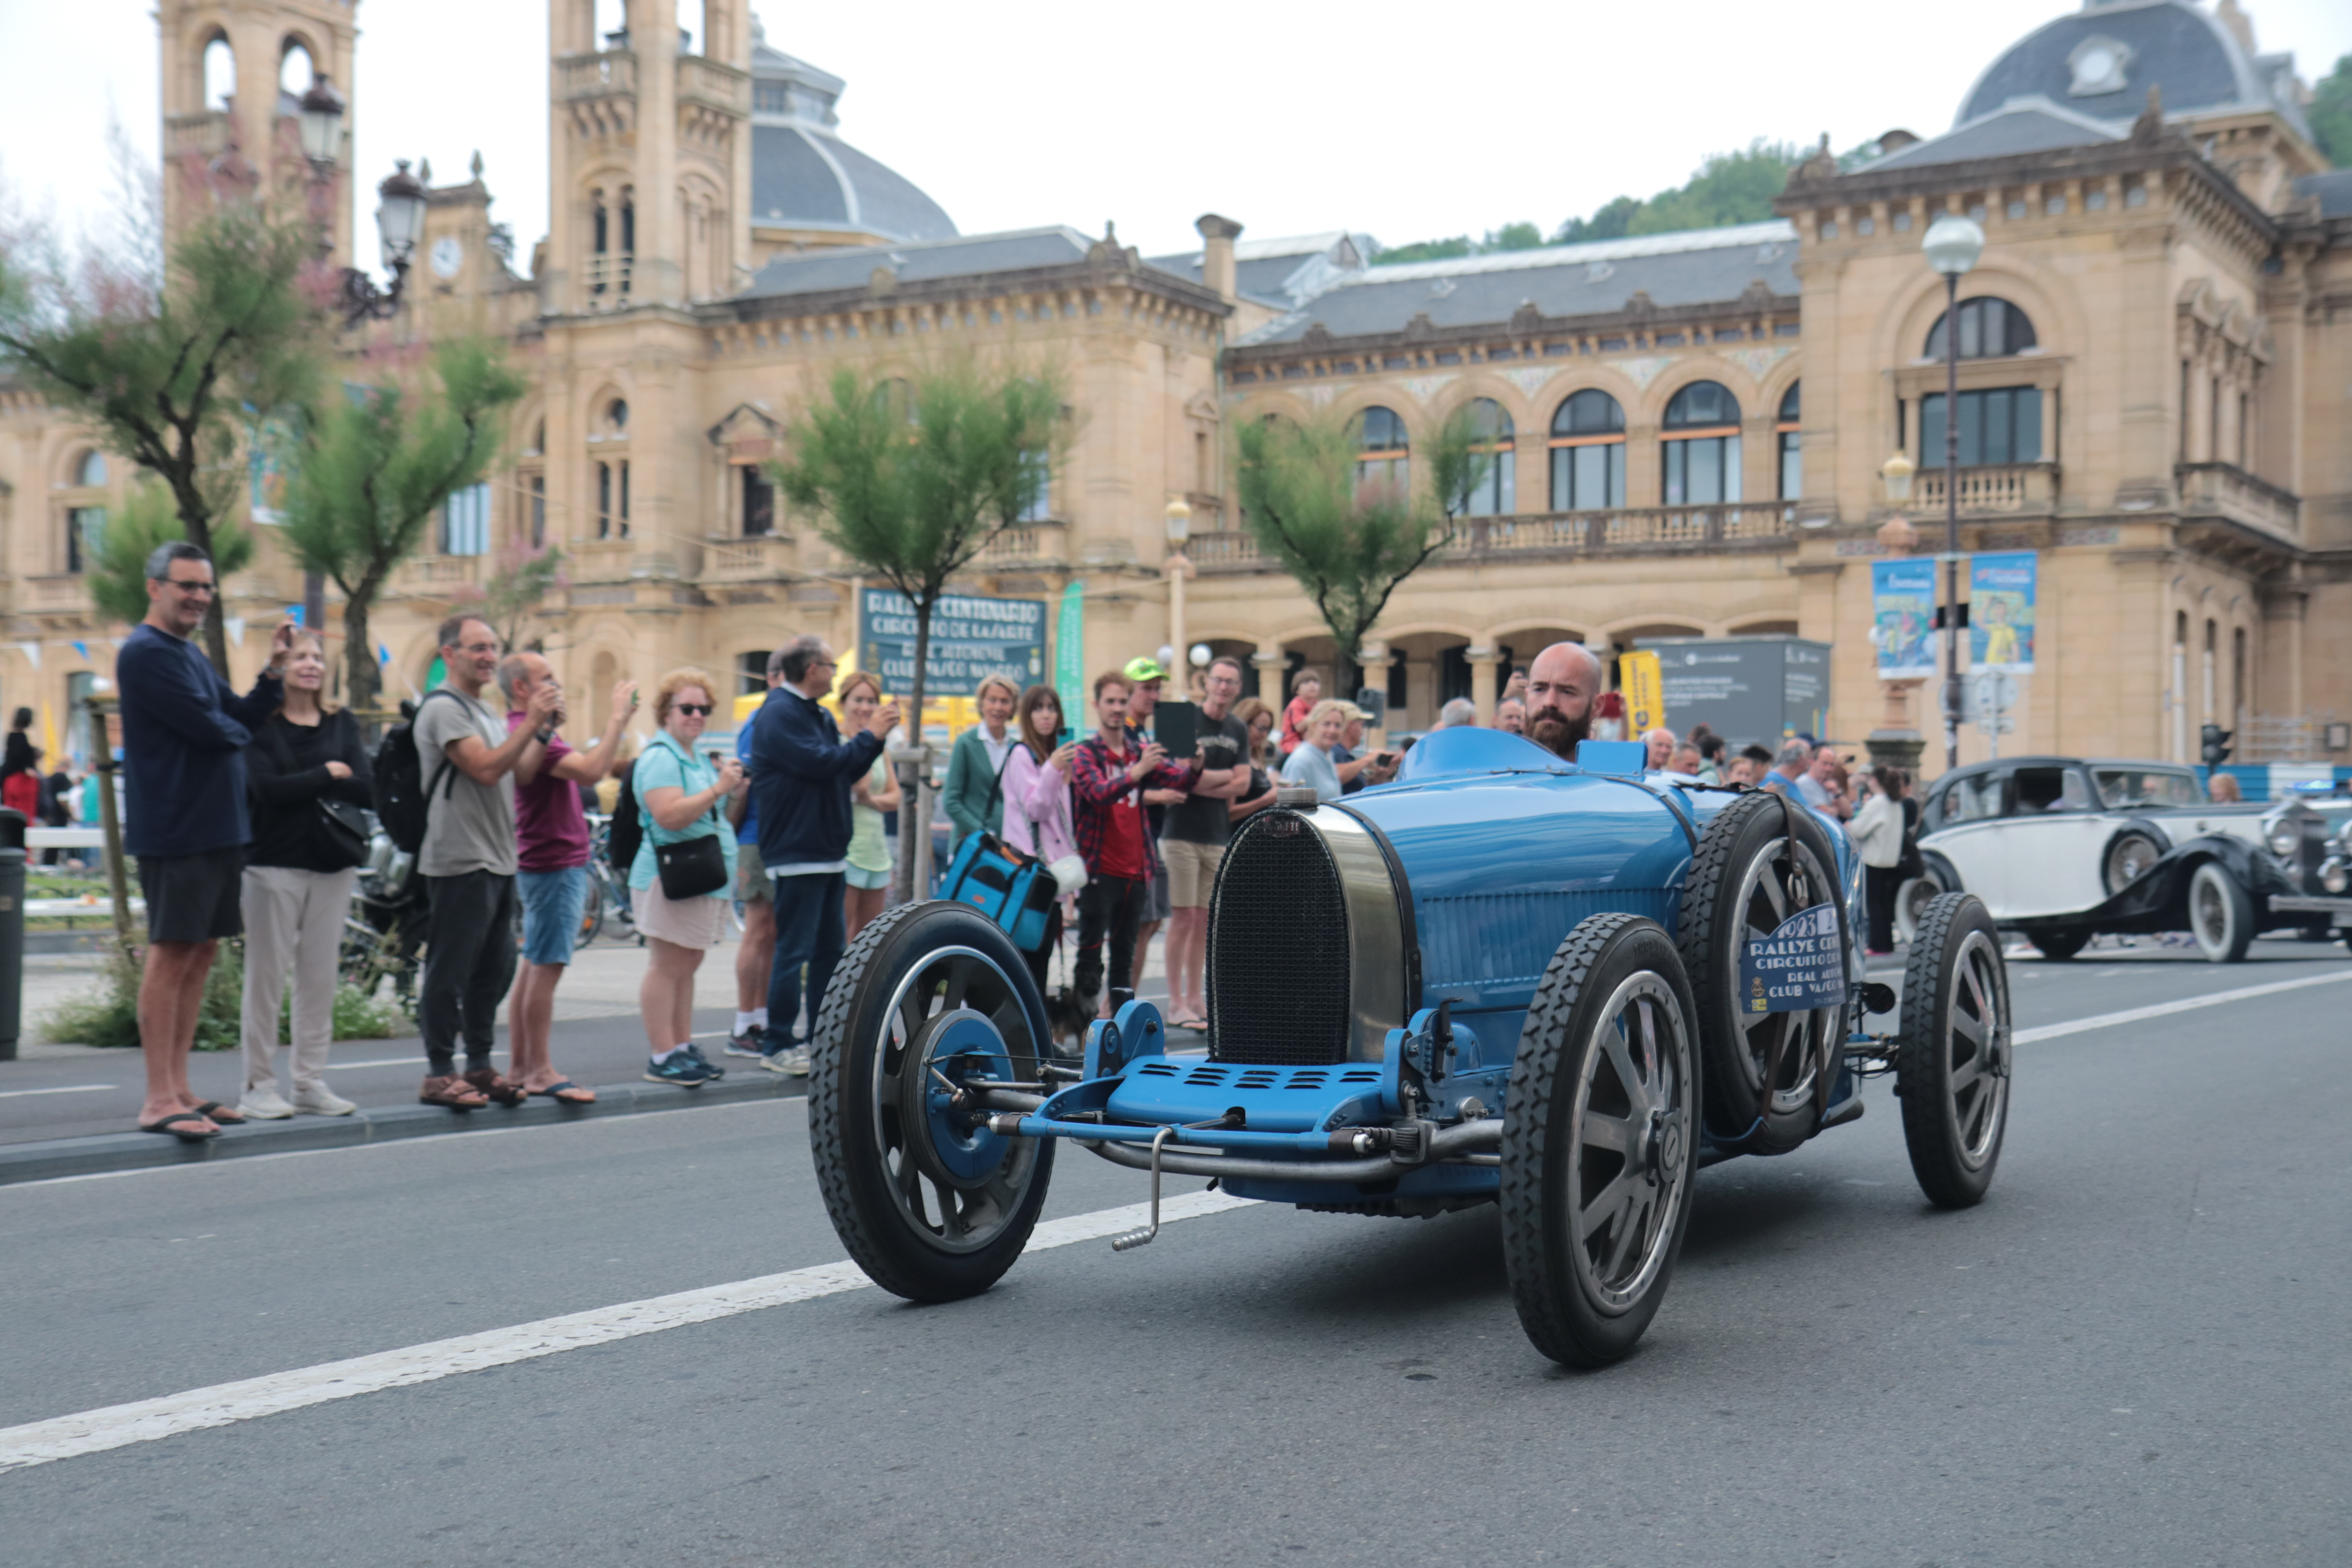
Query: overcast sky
[(1408, 122)]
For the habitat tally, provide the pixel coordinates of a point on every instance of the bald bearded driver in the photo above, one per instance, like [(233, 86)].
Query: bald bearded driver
[(1562, 685)]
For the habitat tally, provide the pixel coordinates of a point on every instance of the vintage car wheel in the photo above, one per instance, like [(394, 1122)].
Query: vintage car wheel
[(1952, 1070), (2220, 915), (928, 1201), (1743, 882), (2128, 854), (2060, 943), (1601, 1144), (1911, 901)]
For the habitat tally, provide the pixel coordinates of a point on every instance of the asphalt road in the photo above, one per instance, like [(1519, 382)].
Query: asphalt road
[(2134, 1352)]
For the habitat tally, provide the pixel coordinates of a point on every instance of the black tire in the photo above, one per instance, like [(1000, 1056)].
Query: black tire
[(1579, 1309), (2060, 944), (1952, 1071), (2128, 855), (1912, 898), (927, 1217), (1743, 882), (2220, 913)]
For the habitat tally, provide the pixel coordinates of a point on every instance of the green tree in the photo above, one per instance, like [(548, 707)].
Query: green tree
[(1729, 187), (167, 374), (375, 463), (1350, 542), (522, 577), (912, 478), (117, 574), (2330, 113), (1511, 237)]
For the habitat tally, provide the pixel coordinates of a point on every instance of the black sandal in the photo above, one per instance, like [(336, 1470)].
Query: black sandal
[(169, 1126), (220, 1113)]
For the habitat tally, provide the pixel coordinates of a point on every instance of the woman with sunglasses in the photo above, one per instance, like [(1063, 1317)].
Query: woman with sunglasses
[(680, 797)]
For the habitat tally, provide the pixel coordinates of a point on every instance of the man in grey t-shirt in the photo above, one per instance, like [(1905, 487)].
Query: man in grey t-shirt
[(1193, 841), (467, 860)]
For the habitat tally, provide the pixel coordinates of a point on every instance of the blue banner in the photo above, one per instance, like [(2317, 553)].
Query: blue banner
[(971, 639), (2001, 611), (1902, 618), (1801, 966)]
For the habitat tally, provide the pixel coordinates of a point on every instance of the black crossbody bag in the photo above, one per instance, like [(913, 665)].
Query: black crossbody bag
[(348, 826), (691, 868)]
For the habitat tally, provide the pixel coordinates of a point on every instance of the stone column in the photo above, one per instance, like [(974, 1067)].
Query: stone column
[(1269, 661), (1483, 689), (1375, 660)]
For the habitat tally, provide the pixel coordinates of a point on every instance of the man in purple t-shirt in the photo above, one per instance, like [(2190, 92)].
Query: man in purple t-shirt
[(551, 861)]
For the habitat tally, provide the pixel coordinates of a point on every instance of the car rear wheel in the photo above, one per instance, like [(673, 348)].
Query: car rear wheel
[(1911, 901), (2220, 915), (932, 1204), (1600, 1148), (1952, 1067), (2059, 945), (2128, 855)]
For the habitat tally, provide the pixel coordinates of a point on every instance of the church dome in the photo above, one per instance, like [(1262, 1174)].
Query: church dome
[(2100, 61), (805, 177)]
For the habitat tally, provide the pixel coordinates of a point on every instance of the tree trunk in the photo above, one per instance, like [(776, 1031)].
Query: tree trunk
[(914, 778), (362, 682), (197, 524)]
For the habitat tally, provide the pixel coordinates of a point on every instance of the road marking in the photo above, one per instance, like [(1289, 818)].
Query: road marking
[(70, 1089), (2165, 1009), (223, 1404)]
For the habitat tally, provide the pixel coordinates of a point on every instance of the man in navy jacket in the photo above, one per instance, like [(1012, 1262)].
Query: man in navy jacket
[(184, 731), (801, 771)]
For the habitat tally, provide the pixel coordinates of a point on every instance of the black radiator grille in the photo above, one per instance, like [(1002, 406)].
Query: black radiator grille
[(1278, 973)]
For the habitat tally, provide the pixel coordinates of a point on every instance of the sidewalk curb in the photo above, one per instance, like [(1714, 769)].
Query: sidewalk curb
[(44, 1159)]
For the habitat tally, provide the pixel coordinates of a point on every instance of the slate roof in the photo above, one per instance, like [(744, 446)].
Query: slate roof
[(1284, 272), (2334, 191), (804, 175), (1695, 268), (2190, 56), (825, 271), (2029, 124)]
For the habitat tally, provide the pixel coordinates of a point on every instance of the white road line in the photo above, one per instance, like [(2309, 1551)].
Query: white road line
[(70, 1089), (2165, 1009), (223, 1404)]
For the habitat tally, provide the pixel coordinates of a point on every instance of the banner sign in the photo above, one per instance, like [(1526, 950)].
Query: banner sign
[(1902, 618), (2001, 611), (971, 639), (1070, 657), (1639, 680), (1801, 966)]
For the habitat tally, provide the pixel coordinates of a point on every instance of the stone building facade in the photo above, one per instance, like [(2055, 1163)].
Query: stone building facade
[(1689, 428)]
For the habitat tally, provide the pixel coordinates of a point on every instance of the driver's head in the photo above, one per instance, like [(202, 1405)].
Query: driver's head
[(1562, 684)]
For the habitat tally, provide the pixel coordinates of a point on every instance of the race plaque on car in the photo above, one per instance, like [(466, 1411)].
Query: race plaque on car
[(1801, 966)]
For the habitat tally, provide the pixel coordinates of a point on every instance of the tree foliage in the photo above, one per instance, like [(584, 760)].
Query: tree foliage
[(912, 478), (1350, 542), (519, 581), (2330, 113), (172, 377), (117, 572), (375, 463)]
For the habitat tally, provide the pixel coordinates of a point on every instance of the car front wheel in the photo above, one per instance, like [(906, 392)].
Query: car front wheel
[(2220, 915)]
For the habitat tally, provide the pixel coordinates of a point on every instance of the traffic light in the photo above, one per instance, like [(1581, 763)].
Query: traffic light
[(2215, 742)]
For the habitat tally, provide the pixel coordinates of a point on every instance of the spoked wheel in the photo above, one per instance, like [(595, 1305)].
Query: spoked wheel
[(928, 1201), (2130, 853), (2220, 915), (1952, 1070), (1760, 861), (1601, 1144)]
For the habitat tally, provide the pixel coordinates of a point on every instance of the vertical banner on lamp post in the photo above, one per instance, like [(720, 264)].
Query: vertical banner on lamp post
[(1070, 655), (1638, 677), (1902, 618), (2001, 611)]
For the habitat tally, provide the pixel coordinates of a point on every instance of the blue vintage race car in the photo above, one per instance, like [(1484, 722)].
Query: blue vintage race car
[(1560, 987)]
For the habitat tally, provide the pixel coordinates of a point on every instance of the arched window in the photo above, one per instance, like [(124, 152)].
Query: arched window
[(220, 73), (1497, 493), (296, 69), (90, 471), (1699, 449), (616, 416), (1990, 328), (1588, 453), (1787, 431), (1384, 460)]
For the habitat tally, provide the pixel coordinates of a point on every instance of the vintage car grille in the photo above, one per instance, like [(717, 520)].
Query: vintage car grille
[(1279, 980)]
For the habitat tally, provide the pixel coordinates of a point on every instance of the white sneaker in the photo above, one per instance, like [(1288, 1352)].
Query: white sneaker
[(263, 1105), (322, 1102), (792, 1062)]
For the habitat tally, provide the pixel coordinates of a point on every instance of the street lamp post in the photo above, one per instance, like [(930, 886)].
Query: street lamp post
[(1952, 246), (399, 214), (1179, 529)]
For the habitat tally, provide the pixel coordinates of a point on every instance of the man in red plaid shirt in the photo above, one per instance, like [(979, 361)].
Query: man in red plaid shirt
[(1108, 778)]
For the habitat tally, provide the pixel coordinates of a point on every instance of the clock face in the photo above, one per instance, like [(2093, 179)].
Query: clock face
[(448, 255)]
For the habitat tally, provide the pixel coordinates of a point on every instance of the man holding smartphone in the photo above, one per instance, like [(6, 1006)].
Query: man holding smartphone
[(1193, 842)]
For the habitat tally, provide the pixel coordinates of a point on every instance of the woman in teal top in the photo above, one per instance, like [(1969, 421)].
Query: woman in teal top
[(868, 880), (681, 796)]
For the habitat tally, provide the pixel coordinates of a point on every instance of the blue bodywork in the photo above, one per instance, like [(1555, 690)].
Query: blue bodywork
[(1504, 848)]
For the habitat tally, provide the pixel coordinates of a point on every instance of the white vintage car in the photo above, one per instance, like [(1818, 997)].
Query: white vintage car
[(2064, 849)]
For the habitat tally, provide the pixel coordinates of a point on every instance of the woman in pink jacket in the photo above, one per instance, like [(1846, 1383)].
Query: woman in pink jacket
[(1037, 801)]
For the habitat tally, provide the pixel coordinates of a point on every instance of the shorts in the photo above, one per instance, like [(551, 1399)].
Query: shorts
[(700, 921), (859, 877), (193, 897), (752, 883), (1155, 897), (552, 906), (1191, 871)]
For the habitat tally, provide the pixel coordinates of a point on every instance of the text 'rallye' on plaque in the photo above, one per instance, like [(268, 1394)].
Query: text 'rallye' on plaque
[(1801, 966)]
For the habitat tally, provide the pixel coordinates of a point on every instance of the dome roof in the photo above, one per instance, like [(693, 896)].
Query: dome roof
[(2101, 60), (804, 176)]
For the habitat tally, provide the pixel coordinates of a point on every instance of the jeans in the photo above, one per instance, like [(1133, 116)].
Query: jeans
[(552, 906), (293, 919), (470, 963), (1108, 907), (809, 930)]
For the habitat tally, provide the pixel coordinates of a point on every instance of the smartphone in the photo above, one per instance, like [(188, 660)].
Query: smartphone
[(1177, 726), (1067, 737)]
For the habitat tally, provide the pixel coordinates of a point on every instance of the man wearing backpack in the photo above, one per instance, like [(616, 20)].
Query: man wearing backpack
[(467, 859)]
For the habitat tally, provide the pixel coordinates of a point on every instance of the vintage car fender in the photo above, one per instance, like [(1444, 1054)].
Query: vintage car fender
[(2158, 900)]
